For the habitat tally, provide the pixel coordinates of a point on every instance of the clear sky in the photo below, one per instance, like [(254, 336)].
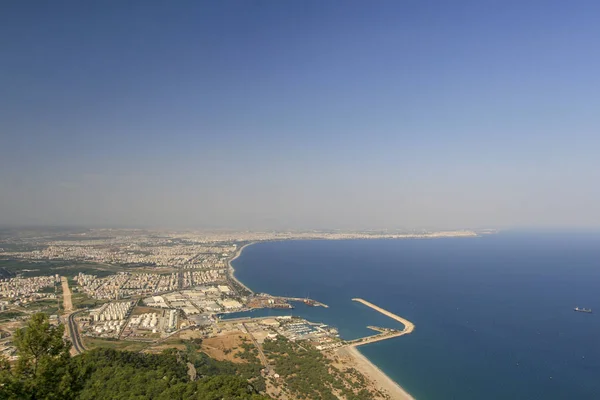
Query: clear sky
[(300, 114)]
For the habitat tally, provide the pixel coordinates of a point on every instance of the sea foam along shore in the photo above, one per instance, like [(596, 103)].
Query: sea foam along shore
[(232, 270), (351, 353)]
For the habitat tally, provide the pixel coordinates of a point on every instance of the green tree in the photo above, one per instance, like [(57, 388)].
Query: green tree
[(42, 368), (45, 371), (8, 387)]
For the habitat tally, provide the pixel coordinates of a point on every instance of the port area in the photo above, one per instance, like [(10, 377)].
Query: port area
[(292, 328), (384, 333), (263, 300), (307, 301)]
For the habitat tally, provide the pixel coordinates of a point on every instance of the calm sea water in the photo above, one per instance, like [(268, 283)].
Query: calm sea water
[(494, 315)]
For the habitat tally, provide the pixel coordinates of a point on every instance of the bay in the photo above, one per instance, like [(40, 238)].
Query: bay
[(494, 314)]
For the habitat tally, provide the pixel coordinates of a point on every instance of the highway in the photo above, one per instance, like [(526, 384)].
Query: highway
[(72, 329), (74, 332)]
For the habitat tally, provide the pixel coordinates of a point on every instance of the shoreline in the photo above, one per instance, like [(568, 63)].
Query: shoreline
[(374, 373), (360, 361), (232, 270)]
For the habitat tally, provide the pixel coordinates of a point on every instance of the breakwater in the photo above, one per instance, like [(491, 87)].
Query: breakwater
[(385, 333)]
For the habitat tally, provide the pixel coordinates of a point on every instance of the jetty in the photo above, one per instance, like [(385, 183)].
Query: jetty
[(306, 300), (384, 333)]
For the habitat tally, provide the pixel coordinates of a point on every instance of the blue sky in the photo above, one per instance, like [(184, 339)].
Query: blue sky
[(308, 114)]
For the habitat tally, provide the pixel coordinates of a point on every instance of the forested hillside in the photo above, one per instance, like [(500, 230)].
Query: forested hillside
[(45, 370)]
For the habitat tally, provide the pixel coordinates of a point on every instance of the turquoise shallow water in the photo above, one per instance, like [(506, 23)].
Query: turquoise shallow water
[(494, 315)]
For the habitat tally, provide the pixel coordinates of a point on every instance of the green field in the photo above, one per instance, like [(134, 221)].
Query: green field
[(48, 289), (65, 268), (8, 315), (48, 306), (70, 269), (82, 300)]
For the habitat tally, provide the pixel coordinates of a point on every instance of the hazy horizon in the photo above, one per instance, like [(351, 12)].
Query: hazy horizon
[(300, 115)]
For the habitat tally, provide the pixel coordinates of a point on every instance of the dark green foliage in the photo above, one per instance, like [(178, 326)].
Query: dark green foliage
[(213, 388), (126, 375), (7, 315), (206, 366), (46, 371), (42, 370), (47, 289), (309, 374), (306, 372)]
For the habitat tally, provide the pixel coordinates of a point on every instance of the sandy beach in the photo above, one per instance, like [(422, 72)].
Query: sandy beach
[(232, 270), (351, 357)]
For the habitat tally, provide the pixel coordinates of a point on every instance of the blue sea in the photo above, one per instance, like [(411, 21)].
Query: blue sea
[(494, 314)]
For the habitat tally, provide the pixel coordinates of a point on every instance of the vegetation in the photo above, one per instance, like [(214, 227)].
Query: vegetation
[(47, 306), (45, 370), (29, 268), (10, 314), (309, 375), (82, 300), (42, 370), (207, 366), (249, 353), (69, 268), (110, 343)]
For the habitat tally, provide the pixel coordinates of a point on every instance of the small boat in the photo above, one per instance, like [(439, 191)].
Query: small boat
[(585, 310), (309, 302)]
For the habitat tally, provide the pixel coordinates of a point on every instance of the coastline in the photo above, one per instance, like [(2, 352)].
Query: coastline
[(354, 358), (351, 353), (232, 270)]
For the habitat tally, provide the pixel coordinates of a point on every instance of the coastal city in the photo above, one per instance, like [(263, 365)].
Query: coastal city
[(299, 200), (149, 290)]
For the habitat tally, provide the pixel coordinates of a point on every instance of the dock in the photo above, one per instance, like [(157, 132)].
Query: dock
[(305, 300)]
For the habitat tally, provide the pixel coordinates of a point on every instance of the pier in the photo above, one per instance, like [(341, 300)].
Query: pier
[(385, 333), (303, 300)]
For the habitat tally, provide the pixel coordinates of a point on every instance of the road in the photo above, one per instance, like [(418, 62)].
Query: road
[(180, 278), (127, 318), (67, 303), (261, 354), (74, 332), (72, 329)]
